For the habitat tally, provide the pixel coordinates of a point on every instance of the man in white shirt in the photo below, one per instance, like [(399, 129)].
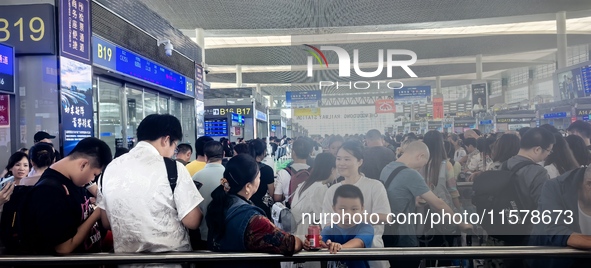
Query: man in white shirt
[(301, 151), (136, 197), (209, 177)]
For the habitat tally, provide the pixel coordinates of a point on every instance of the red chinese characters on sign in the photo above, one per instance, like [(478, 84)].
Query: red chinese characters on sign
[(4, 111), (385, 106), (437, 108)]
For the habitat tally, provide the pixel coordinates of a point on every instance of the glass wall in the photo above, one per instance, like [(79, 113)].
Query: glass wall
[(125, 104), (109, 112)]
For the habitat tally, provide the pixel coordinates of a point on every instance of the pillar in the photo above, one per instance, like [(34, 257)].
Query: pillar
[(238, 75), (561, 39), (200, 36), (479, 67)]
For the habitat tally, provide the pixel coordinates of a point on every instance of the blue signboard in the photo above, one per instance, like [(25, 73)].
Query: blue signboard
[(586, 77), (118, 59), (273, 128), (585, 118), (486, 122), (303, 99), (237, 120), (75, 31), (261, 116), (412, 95), (216, 127), (555, 115), (76, 102), (6, 69)]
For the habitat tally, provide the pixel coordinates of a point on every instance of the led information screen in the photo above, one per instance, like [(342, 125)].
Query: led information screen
[(110, 56), (412, 95), (28, 28), (586, 77), (6, 69), (216, 127)]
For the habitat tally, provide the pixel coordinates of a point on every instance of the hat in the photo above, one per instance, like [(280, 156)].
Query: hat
[(41, 135)]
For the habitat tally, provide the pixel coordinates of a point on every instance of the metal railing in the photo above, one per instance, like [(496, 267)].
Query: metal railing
[(525, 252)]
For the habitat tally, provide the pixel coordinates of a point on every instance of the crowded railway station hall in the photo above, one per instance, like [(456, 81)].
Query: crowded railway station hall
[(276, 133)]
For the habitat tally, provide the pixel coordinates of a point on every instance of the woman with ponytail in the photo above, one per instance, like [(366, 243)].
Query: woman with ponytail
[(235, 223)]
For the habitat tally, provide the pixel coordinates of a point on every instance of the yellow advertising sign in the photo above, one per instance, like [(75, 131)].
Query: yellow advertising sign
[(306, 112)]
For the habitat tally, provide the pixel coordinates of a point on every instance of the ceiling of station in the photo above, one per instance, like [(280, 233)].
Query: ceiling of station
[(315, 14), (266, 37)]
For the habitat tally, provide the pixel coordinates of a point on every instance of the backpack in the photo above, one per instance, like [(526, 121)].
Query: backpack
[(390, 235), (297, 177), (441, 191), (283, 218), (11, 227), (496, 191)]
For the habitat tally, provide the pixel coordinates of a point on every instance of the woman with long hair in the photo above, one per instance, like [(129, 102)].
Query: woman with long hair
[(561, 159), (439, 166), (309, 195), (348, 162), (504, 148), (263, 198), (579, 149), (236, 224)]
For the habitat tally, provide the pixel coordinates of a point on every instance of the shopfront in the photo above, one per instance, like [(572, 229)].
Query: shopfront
[(129, 87)]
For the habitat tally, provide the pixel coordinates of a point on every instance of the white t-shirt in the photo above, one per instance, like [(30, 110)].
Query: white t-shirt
[(459, 154), (144, 214), (309, 201), (552, 171), (283, 179), (375, 200)]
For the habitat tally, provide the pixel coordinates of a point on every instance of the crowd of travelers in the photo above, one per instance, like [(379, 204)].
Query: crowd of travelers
[(233, 198)]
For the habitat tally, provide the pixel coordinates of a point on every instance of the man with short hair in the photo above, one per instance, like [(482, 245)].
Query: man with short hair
[(375, 155), (199, 163), (570, 194), (147, 212), (406, 190), (209, 177), (473, 160), (536, 144), (183, 153), (581, 129), (42, 136), (57, 215)]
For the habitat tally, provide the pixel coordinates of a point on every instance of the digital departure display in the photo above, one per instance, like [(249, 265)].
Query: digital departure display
[(110, 56), (216, 127), (586, 77)]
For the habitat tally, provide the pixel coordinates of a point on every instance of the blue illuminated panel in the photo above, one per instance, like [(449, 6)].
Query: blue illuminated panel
[(216, 127), (115, 58), (6, 69)]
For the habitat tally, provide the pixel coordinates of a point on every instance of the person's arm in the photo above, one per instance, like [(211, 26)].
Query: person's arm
[(581, 241), (81, 234), (278, 194), (440, 205), (193, 219), (262, 236), (187, 199), (6, 193)]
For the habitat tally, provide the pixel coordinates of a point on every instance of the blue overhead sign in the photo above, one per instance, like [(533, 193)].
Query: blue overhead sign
[(261, 116), (555, 115), (486, 122), (303, 99), (115, 58), (412, 95)]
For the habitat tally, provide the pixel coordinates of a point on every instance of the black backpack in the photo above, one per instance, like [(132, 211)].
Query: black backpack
[(498, 191), (12, 229), (390, 236)]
